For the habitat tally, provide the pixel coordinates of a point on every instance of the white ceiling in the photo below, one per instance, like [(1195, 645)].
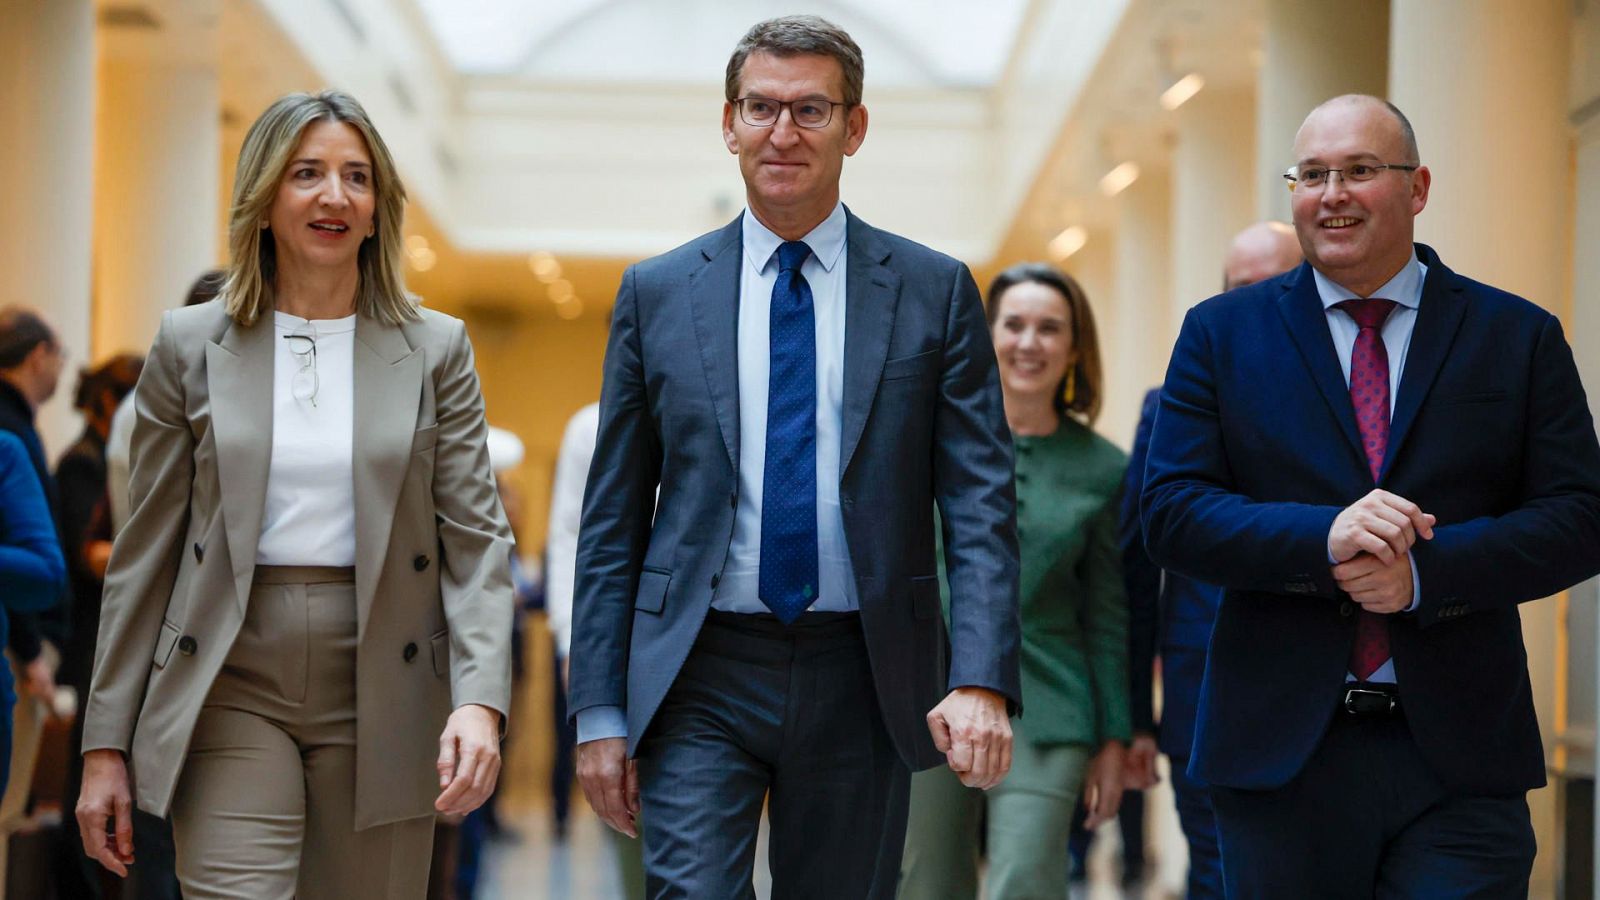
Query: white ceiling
[(908, 43)]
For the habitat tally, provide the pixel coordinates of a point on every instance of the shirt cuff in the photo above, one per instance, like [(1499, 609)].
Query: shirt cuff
[(600, 722), (1416, 584)]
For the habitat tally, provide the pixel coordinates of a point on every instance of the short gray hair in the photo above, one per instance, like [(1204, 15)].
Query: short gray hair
[(794, 36)]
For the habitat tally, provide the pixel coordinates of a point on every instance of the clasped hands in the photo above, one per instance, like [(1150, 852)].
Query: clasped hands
[(1370, 543)]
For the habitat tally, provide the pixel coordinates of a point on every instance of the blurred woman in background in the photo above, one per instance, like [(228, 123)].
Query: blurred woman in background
[(1074, 616)]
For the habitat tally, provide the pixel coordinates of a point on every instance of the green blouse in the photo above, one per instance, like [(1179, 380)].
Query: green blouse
[(1074, 605)]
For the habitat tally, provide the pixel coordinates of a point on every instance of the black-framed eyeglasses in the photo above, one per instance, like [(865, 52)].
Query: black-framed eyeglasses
[(1310, 178), (304, 347), (763, 112)]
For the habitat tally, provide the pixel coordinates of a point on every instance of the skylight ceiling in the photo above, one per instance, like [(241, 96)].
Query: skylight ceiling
[(907, 43)]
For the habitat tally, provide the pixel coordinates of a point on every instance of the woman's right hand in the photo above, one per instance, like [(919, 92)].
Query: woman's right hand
[(105, 797)]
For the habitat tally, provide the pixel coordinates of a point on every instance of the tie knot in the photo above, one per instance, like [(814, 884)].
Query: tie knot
[(791, 254), (1368, 313)]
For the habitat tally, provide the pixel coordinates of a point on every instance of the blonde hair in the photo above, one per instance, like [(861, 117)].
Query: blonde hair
[(252, 259)]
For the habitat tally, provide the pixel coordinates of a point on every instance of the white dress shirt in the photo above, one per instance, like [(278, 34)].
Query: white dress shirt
[(310, 514), (1405, 289)]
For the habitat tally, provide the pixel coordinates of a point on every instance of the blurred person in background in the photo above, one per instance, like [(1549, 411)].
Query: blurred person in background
[(304, 645), (86, 542), (31, 362), (32, 571), (1074, 616), (561, 553), (1171, 614)]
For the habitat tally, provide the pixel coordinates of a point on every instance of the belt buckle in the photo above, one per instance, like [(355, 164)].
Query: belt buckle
[(1351, 694)]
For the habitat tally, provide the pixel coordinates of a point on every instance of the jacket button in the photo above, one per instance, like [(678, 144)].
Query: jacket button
[(409, 653), (1347, 609), (420, 563), (714, 579), (199, 553), (188, 645)]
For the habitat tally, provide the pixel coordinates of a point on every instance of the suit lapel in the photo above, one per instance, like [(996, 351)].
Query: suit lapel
[(1438, 318), (714, 305), (388, 389), (239, 377), (1301, 307), (871, 292)]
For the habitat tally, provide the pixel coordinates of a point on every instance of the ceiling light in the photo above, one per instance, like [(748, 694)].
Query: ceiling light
[(1181, 91), (1068, 242), (416, 243), (422, 260), (544, 266), (1117, 180), (561, 292), (571, 310)]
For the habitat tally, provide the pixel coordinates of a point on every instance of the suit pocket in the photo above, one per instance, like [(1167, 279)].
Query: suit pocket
[(652, 595), (425, 438), (925, 597), (914, 366), (165, 641), (440, 644), (1472, 397)]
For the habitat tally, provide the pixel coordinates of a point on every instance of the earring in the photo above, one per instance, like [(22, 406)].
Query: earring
[(263, 224), (1071, 393)]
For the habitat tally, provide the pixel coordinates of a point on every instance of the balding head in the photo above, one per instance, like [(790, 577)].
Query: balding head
[(1259, 252)]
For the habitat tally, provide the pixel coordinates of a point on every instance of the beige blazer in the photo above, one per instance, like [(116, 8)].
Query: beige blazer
[(433, 584)]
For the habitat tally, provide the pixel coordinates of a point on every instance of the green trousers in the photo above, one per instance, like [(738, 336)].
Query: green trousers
[(1029, 820)]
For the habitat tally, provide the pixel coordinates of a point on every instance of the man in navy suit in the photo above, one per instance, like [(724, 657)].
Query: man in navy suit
[(1170, 614), (802, 389), (1378, 459)]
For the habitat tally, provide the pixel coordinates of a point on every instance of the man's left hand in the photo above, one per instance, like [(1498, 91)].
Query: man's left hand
[(971, 729), (469, 759), (1378, 586)]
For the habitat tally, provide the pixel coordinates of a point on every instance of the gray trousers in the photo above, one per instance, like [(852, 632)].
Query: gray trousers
[(265, 805), (786, 715)]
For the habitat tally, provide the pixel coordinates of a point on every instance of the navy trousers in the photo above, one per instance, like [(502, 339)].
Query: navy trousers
[(1199, 825), (782, 715), (1367, 818)]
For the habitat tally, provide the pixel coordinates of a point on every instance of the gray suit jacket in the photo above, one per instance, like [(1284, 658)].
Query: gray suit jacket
[(923, 423), (433, 586)]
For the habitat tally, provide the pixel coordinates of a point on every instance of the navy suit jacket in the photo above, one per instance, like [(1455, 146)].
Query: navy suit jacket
[(1169, 615), (1255, 452), (923, 423)]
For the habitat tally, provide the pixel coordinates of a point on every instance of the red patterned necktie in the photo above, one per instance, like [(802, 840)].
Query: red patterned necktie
[(1369, 394)]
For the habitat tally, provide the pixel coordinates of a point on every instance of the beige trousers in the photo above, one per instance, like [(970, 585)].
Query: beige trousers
[(265, 805)]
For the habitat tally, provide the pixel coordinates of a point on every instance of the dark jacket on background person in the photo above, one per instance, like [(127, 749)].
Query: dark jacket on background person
[(48, 622), (81, 486)]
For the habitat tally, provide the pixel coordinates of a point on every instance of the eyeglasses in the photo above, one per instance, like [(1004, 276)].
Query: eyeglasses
[(1311, 178), (763, 112), (304, 347)]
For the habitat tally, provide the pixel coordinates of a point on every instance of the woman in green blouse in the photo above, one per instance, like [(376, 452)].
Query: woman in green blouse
[(1074, 616)]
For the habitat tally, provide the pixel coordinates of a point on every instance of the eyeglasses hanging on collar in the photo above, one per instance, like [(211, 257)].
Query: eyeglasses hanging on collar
[(304, 346)]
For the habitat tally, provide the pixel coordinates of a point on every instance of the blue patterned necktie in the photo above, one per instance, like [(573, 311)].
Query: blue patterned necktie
[(788, 575)]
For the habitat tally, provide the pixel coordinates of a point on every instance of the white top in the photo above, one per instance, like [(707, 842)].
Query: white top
[(824, 270), (310, 516), (566, 510)]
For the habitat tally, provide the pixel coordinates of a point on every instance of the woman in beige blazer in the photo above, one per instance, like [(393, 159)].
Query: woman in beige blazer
[(305, 644)]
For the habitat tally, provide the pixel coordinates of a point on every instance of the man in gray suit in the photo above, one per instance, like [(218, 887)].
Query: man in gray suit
[(803, 389)]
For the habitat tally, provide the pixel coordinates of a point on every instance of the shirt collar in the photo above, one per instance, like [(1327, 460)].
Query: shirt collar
[(826, 240), (1405, 288)]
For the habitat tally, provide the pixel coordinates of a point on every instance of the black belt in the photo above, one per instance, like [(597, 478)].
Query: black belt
[(1365, 698)]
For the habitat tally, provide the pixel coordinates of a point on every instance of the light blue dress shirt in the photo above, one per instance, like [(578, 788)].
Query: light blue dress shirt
[(1405, 289), (736, 590)]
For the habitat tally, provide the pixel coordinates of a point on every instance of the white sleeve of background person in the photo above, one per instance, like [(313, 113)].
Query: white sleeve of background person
[(566, 509)]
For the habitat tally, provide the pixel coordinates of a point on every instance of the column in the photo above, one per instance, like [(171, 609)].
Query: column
[(1485, 83), (1311, 51), (47, 145), (156, 179), (1136, 352), (1213, 191)]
